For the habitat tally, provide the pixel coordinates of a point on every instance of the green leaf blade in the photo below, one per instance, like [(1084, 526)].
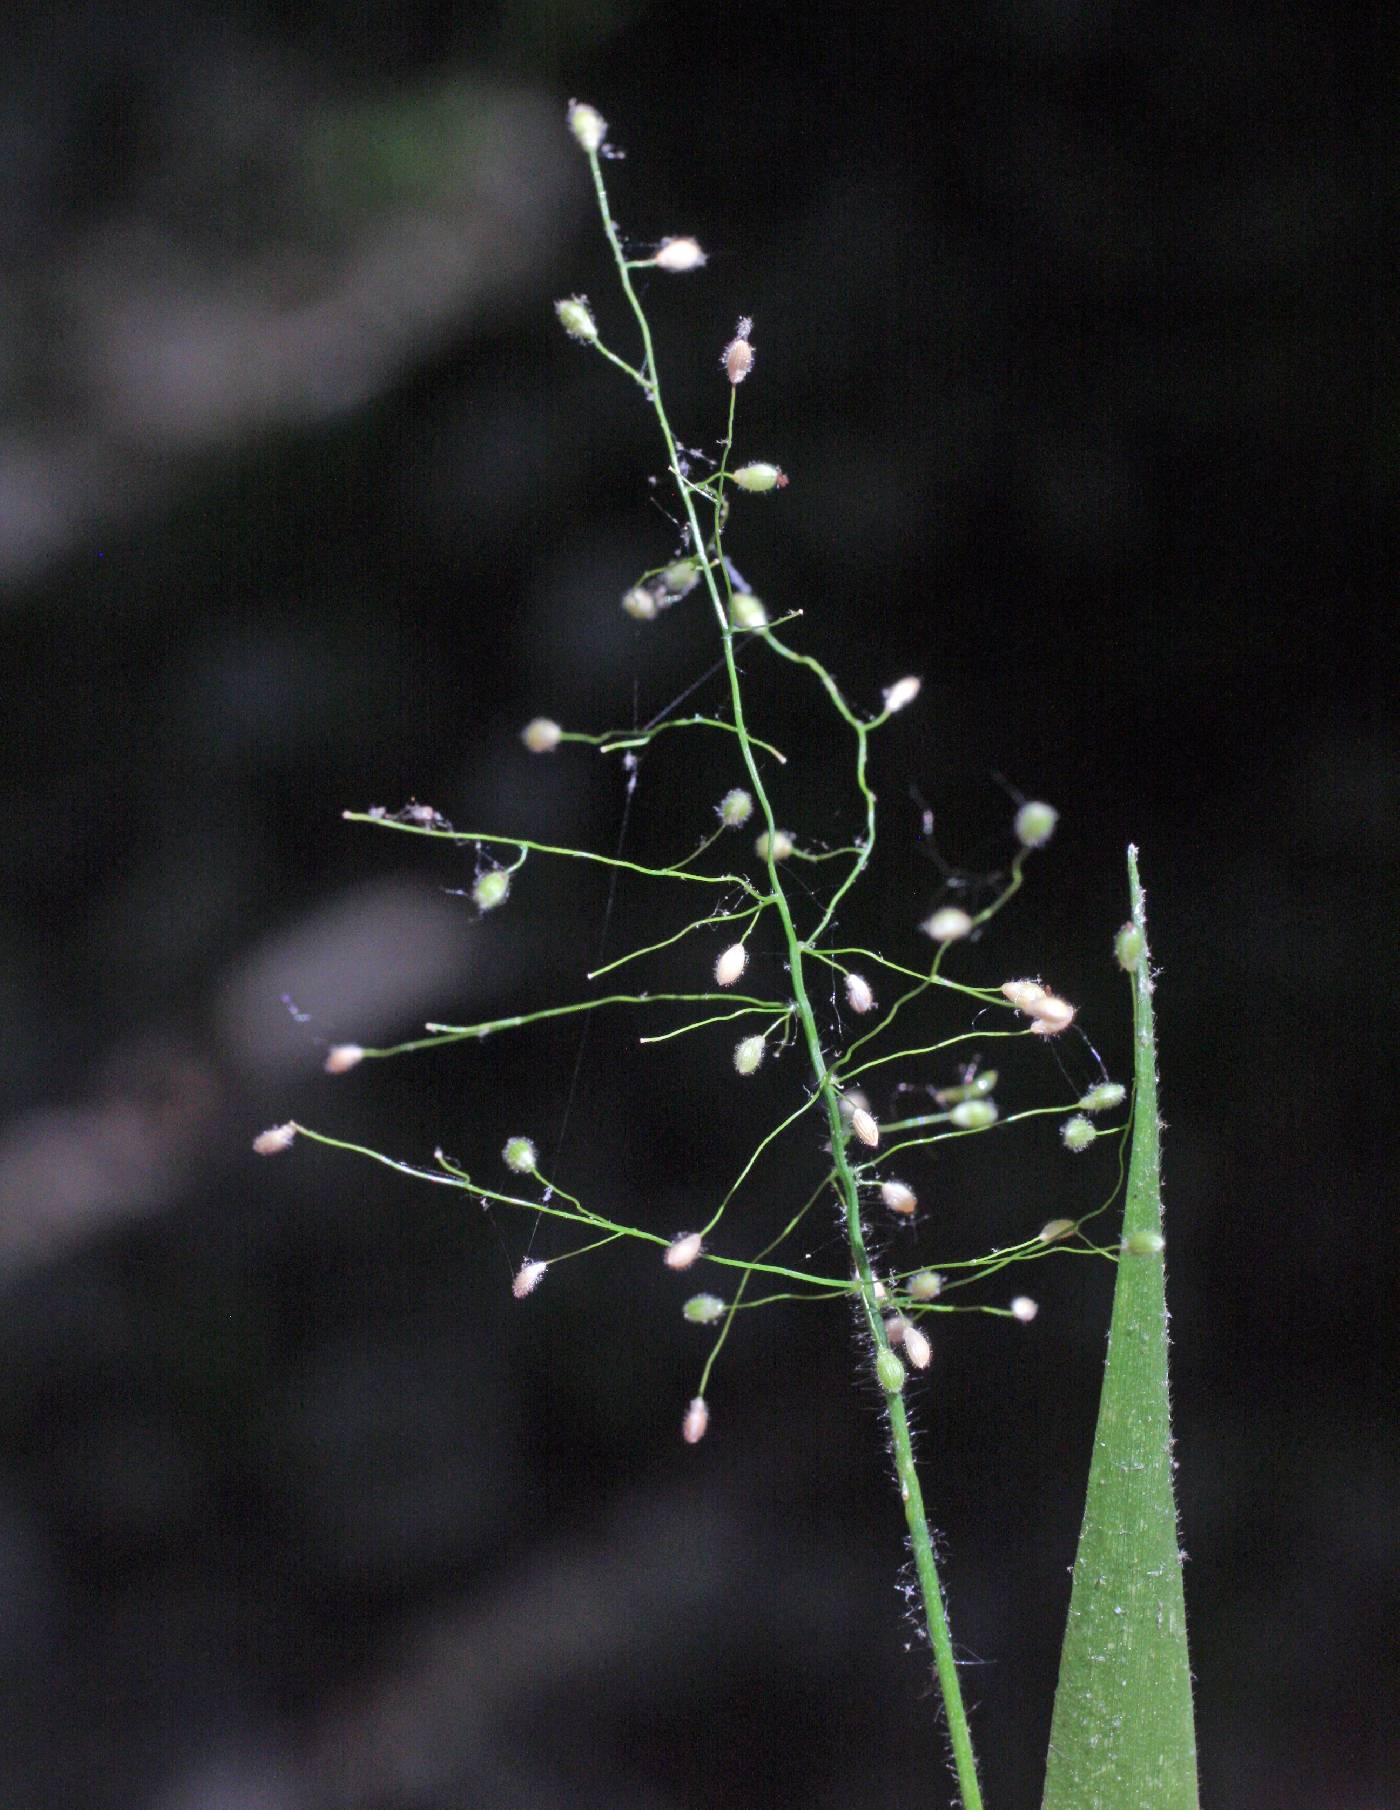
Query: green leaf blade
[(1123, 1734)]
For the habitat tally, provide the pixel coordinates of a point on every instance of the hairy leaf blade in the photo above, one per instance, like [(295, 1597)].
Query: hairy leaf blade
[(1123, 1733)]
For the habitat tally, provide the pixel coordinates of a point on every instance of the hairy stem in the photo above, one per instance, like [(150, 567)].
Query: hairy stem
[(911, 1495)]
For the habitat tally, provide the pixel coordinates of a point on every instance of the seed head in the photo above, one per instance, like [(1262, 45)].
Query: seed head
[(1025, 995), (1055, 1229), (1078, 1133), (864, 1126), (747, 612), (541, 735), (977, 1087), (889, 1372), (899, 1197), (748, 1054), (1128, 947), (576, 318), (587, 125), (858, 994), (268, 1143), (917, 1348), (1052, 1015), (947, 925), (760, 476), (491, 889), (527, 1279), (902, 692), (1035, 824), (927, 1285), (731, 965), (974, 1115), (642, 603), (341, 1057), (735, 808), (520, 1154), (697, 1419), (781, 844), (849, 1102), (681, 1252), (680, 578), (679, 255), (1024, 1309), (738, 354), (703, 1310), (1104, 1097)]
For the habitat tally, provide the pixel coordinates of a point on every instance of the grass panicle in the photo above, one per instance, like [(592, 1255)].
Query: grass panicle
[(857, 1016)]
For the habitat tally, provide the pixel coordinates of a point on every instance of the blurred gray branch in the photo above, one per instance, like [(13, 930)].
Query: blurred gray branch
[(277, 253)]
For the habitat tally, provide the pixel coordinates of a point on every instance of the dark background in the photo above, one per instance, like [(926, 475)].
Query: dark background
[(1067, 319)]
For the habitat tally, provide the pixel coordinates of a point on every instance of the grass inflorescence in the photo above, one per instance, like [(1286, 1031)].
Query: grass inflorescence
[(905, 1017)]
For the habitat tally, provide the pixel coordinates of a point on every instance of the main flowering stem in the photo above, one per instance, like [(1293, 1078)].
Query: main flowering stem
[(911, 1495)]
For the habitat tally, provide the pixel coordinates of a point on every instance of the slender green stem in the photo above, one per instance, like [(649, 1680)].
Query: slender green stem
[(927, 1049), (449, 1175), (614, 741), (699, 1024), (719, 917), (440, 1034), (549, 848), (911, 1494)]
